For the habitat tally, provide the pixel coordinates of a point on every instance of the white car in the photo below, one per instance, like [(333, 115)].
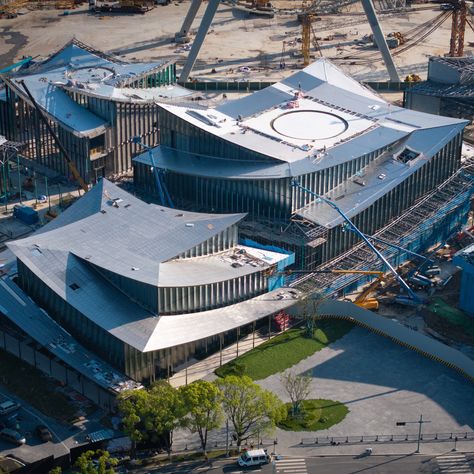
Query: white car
[(255, 457)]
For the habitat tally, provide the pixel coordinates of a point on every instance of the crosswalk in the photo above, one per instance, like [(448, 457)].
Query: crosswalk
[(291, 466), (453, 464)]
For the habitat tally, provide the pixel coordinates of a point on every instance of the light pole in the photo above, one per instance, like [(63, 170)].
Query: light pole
[(420, 422), (227, 438)]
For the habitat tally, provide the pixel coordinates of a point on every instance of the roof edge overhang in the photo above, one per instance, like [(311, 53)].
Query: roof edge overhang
[(85, 134)]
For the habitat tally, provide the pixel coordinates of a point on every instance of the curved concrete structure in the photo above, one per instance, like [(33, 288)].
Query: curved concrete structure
[(400, 334)]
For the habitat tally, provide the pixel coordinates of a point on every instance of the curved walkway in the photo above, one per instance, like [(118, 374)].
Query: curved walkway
[(400, 334)]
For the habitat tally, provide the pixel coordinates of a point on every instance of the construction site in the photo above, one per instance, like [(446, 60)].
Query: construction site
[(274, 152)]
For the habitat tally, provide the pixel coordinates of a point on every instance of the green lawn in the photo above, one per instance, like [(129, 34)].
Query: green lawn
[(34, 387), (285, 350), (315, 415), (452, 315)]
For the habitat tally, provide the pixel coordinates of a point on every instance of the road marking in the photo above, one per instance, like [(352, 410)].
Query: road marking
[(291, 466), (295, 471), (453, 464)]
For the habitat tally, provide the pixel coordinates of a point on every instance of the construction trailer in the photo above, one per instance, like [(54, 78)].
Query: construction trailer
[(376, 161), (95, 103)]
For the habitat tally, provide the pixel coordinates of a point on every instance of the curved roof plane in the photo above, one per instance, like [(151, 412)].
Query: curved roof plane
[(312, 120), (79, 68), (113, 230)]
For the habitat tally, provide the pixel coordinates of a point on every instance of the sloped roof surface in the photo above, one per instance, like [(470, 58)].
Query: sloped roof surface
[(114, 230), (77, 67), (111, 229), (309, 96)]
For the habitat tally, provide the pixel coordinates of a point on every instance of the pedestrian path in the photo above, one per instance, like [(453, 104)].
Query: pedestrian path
[(455, 463), (291, 466), (196, 370)]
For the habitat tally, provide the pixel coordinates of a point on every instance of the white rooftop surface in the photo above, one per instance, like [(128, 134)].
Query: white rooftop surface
[(311, 124), (216, 268), (379, 177), (77, 69), (175, 330), (318, 109)]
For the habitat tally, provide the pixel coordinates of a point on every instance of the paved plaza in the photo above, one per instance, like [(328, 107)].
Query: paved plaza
[(382, 383)]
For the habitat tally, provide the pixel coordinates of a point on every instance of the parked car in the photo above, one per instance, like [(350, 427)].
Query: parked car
[(43, 433), (12, 436), (255, 457), (10, 421), (8, 407)]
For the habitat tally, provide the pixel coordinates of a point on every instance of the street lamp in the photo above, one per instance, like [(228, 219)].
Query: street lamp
[(420, 422)]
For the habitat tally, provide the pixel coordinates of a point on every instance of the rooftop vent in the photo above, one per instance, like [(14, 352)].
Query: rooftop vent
[(74, 286), (407, 155), (189, 224)]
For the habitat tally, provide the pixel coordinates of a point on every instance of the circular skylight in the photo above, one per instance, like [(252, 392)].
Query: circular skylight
[(309, 125)]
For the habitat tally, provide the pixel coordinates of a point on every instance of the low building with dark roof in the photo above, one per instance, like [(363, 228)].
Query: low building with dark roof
[(146, 286)]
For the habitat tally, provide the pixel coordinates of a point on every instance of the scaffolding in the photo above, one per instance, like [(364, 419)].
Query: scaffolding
[(413, 228), (8, 151)]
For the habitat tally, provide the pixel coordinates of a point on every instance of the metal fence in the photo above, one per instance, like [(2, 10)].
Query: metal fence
[(250, 86), (387, 438)]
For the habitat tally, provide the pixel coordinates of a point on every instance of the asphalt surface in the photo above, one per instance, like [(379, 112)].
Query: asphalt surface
[(64, 436), (451, 462)]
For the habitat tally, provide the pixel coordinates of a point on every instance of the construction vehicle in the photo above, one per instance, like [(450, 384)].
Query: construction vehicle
[(350, 225), (412, 78), (72, 167), (362, 299)]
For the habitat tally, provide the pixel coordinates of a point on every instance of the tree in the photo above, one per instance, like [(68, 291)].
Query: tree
[(250, 409), (152, 414), (202, 408), (55, 470), (134, 406), (96, 462), (297, 387), (167, 412)]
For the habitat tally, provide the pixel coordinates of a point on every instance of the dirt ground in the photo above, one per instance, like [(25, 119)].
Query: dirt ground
[(233, 41)]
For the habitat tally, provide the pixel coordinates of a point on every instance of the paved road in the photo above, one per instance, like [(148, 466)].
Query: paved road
[(454, 463)]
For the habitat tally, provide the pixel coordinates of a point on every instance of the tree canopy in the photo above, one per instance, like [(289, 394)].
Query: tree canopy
[(250, 409), (96, 462), (153, 414), (202, 408)]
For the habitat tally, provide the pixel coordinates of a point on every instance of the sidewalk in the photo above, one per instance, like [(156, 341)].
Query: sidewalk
[(196, 370)]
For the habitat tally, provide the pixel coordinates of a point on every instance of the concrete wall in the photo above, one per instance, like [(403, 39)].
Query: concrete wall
[(466, 300), (442, 72)]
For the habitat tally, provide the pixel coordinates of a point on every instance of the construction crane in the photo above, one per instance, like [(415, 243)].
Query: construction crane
[(458, 28), (364, 300), (411, 294), (72, 167), (308, 36)]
